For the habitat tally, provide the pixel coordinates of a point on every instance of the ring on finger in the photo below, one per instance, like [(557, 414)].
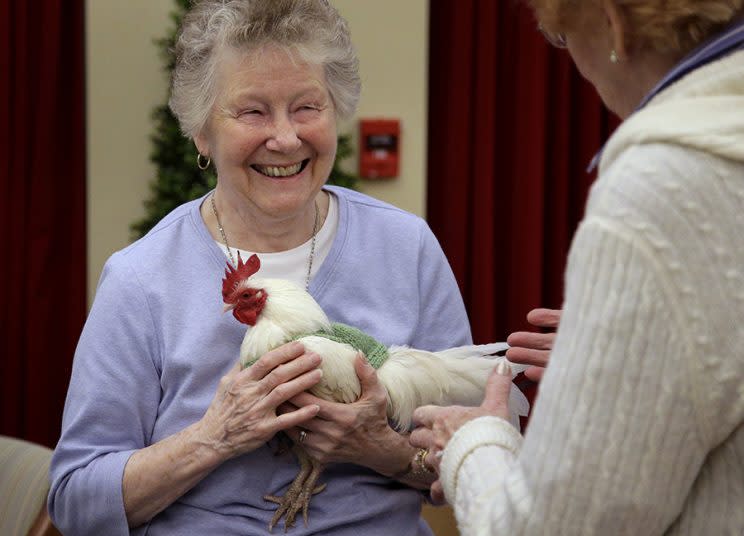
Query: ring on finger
[(419, 461), (303, 436)]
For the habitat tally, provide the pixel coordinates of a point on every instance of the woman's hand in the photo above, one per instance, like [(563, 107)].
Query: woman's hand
[(436, 425), (358, 432), (243, 414), (531, 348), (241, 418)]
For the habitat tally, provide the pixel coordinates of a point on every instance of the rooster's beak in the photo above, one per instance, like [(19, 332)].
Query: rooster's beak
[(228, 307)]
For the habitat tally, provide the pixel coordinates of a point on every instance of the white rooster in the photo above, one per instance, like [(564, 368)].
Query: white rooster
[(279, 311)]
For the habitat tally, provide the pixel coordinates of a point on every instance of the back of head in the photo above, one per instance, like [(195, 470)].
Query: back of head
[(313, 29), (670, 27)]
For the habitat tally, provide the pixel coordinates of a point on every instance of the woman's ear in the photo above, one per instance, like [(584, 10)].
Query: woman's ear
[(617, 23), (202, 144)]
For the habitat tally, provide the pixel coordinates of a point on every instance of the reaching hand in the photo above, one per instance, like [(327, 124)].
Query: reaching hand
[(436, 425), (530, 348)]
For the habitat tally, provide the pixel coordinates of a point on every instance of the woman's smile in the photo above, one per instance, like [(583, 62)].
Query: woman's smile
[(281, 171)]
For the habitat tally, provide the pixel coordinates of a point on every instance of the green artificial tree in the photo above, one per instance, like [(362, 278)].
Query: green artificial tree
[(178, 178)]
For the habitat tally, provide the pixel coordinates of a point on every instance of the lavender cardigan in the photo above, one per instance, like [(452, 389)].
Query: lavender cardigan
[(156, 344)]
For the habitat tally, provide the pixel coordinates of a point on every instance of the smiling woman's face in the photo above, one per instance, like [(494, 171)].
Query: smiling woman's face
[(272, 130)]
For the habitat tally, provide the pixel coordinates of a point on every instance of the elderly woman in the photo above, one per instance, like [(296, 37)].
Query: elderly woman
[(639, 427), (162, 434)]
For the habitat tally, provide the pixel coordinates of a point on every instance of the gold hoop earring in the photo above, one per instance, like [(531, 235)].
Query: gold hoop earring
[(613, 57), (200, 162)]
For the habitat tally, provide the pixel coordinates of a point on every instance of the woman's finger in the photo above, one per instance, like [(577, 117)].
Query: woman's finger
[(527, 356), (431, 460), (292, 369), (534, 373), (292, 419), (424, 416), (544, 318), (285, 391), (498, 388), (529, 339), (270, 360), (367, 375), (437, 493), (422, 438), (304, 399)]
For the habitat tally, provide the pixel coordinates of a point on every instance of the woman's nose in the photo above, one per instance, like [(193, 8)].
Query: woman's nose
[(284, 136)]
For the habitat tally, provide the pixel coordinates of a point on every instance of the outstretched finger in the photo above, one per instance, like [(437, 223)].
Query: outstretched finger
[(529, 339), (544, 318), (498, 388), (528, 356)]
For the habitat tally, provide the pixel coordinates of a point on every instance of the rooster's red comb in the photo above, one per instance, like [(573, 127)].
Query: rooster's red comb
[(233, 276)]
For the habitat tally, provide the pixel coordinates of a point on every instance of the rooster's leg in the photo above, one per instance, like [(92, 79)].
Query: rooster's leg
[(299, 492), (309, 489)]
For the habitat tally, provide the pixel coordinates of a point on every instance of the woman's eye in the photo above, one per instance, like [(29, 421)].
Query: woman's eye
[(250, 112)]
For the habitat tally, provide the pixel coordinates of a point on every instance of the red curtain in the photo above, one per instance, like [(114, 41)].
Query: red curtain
[(42, 239), (512, 127)]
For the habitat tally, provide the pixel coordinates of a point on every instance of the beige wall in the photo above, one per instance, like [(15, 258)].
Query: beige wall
[(125, 82), (392, 41)]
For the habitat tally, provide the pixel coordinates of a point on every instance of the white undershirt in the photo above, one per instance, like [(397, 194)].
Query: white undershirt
[(292, 264)]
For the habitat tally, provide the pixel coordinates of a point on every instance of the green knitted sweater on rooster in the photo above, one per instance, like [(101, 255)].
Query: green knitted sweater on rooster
[(376, 352)]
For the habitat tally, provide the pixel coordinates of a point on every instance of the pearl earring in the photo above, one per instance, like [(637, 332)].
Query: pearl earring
[(613, 57)]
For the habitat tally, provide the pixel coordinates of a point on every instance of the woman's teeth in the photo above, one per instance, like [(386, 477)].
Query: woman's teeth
[(279, 171)]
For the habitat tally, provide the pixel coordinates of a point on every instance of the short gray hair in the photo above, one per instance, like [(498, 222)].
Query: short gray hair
[(312, 28)]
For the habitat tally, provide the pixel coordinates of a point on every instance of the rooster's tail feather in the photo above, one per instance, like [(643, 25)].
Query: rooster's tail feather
[(415, 378)]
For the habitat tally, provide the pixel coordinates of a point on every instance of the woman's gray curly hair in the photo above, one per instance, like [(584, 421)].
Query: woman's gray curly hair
[(311, 28)]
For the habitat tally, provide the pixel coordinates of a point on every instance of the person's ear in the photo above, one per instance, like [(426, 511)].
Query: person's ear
[(202, 144), (619, 34)]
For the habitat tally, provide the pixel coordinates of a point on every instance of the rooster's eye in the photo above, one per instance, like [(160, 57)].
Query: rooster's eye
[(246, 295)]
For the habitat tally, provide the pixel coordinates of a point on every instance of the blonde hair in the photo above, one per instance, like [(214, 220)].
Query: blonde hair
[(313, 29), (667, 26)]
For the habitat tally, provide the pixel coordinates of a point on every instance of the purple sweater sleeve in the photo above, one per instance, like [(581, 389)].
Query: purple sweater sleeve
[(88, 464)]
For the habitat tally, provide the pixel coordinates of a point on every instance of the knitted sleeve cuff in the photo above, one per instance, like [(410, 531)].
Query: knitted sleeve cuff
[(480, 432)]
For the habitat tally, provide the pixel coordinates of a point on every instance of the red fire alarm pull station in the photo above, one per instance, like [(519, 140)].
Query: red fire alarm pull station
[(379, 141)]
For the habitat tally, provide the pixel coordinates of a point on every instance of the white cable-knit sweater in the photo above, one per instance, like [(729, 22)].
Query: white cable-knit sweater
[(639, 424)]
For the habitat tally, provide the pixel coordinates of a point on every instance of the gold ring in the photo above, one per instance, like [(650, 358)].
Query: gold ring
[(420, 460)]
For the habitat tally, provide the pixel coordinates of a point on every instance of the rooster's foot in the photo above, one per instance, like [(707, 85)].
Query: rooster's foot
[(299, 493), (289, 505)]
